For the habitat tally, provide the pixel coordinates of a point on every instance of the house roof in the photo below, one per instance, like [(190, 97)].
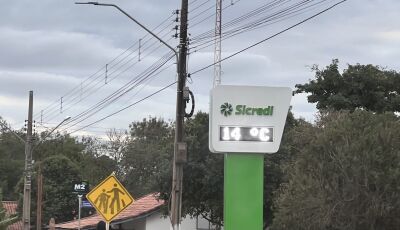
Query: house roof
[(140, 207), (11, 209)]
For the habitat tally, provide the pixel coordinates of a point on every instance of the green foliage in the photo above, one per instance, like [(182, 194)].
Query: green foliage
[(94, 164), (274, 175), (346, 175), (58, 144), (204, 173), (147, 155), (5, 220), (365, 87), (12, 155), (59, 173)]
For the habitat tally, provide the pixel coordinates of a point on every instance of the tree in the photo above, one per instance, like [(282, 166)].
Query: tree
[(367, 87), (274, 174), (148, 155), (116, 147), (12, 156), (346, 175), (95, 164), (59, 174), (204, 173), (57, 144), (5, 220)]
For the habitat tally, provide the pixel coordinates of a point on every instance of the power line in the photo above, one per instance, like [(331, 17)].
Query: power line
[(290, 10), (199, 6), (94, 90), (135, 103), (76, 89), (270, 37), (209, 16), (120, 92), (272, 19)]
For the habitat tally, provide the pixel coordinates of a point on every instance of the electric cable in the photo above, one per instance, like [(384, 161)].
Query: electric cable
[(55, 103), (93, 90), (126, 107), (120, 92), (270, 37), (229, 34)]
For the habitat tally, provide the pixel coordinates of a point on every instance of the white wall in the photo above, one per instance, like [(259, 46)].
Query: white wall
[(156, 221), (135, 225), (188, 223)]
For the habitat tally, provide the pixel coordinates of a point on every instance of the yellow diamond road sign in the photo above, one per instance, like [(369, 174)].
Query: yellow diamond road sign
[(109, 198)]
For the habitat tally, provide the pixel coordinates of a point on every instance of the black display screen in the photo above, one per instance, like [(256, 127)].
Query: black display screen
[(237, 133)]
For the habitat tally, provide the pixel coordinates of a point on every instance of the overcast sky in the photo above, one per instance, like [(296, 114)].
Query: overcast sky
[(53, 46)]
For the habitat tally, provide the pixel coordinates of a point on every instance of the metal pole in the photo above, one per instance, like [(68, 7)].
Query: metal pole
[(79, 211), (176, 196), (217, 51), (26, 212)]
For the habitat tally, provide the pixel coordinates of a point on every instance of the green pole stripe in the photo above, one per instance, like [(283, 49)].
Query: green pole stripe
[(243, 191)]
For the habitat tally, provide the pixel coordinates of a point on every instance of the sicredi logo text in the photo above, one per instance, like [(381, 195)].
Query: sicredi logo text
[(227, 110)]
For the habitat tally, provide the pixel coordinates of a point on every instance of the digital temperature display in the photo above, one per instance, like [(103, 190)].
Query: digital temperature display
[(237, 133)]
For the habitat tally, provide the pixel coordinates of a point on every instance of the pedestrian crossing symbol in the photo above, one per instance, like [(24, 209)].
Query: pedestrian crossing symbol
[(109, 198)]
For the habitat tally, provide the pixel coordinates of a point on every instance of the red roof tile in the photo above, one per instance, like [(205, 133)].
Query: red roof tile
[(140, 207), (16, 226), (11, 209)]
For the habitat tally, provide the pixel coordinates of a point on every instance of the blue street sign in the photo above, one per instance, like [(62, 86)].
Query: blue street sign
[(86, 204)]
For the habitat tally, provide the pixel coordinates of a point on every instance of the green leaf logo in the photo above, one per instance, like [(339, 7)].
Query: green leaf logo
[(226, 109)]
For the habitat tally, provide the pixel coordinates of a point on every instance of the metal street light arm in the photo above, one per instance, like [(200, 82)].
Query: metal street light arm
[(149, 31), (48, 134)]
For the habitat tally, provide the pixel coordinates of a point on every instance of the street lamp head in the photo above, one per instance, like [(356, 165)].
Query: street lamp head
[(87, 3), (67, 118)]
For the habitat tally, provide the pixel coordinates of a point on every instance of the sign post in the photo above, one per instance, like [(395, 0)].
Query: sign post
[(246, 122), (79, 211), (81, 189)]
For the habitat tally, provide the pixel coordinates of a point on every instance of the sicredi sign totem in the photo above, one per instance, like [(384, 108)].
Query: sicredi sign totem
[(247, 118)]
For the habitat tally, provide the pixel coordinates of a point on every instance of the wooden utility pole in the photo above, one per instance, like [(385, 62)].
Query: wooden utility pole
[(180, 153), (39, 197), (26, 212), (180, 146)]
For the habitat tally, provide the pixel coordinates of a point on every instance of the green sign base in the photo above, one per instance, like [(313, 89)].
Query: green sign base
[(243, 191)]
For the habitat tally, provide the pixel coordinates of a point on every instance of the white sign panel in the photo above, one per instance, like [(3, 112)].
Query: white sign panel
[(247, 118)]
